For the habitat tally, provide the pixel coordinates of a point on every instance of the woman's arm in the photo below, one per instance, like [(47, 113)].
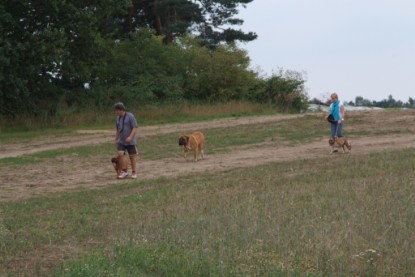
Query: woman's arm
[(341, 114)]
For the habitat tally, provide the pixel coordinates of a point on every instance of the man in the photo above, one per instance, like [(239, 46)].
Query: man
[(125, 139)]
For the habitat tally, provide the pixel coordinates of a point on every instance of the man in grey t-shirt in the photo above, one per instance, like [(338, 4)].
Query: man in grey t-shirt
[(125, 139)]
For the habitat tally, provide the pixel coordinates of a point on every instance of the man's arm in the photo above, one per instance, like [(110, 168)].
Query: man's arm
[(117, 137), (131, 136)]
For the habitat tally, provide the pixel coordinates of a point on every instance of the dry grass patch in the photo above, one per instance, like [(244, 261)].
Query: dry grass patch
[(323, 216)]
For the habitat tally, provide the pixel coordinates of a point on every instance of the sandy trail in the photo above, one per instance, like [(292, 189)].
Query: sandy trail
[(66, 173), (69, 173)]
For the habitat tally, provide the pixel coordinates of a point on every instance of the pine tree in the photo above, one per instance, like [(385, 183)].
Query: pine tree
[(210, 20)]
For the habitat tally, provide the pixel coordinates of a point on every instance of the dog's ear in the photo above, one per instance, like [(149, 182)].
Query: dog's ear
[(181, 140)]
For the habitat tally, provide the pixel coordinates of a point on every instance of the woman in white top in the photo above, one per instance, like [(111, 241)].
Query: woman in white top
[(337, 111)]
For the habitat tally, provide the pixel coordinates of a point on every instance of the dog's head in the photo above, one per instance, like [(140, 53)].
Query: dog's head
[(183, 140), (332, 141), (114, 161), (348, 144)]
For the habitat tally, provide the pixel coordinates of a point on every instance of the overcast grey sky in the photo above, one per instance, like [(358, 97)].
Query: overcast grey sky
[(355, 47)]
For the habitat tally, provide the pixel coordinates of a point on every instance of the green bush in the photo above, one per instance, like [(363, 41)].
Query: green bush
[(285, 90)]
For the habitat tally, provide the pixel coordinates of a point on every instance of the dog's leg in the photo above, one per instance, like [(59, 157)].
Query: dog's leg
[(195, 154), (115, 166), (184, 153), (122, 162), (116, 169), (200, 148), (349, 146)]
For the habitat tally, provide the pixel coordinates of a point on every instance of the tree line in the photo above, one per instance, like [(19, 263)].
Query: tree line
[(89, 54), (390, 102)]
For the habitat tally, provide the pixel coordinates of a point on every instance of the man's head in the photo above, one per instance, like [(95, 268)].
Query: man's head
[(119, 108)]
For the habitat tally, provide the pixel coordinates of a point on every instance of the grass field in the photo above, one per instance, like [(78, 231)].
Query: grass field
[(327, 216), (24, 128)]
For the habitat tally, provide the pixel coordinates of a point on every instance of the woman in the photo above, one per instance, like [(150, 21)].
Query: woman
[(337, 111)]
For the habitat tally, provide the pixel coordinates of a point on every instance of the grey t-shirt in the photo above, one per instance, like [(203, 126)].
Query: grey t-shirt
[(124, 125)]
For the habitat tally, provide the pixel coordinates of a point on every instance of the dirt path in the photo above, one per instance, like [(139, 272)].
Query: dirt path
[(68, 173), (88, 137), (71, 173)]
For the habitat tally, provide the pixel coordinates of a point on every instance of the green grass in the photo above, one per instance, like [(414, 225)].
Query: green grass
[(81, 151), (322, 217), (219, 140), (24, 129), (327, 217), (21, 135)]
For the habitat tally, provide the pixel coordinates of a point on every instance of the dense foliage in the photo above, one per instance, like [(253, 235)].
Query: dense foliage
[(210, 19), (75, 54)]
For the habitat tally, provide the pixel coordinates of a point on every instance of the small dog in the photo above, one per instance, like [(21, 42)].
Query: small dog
[(195, 142), (119, 164), (339, 142)]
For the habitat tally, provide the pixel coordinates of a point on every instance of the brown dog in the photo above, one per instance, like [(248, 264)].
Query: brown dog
[(195, 142), (339, 142), (119, 164)]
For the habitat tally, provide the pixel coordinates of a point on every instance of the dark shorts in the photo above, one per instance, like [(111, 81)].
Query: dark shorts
[(131, 149)]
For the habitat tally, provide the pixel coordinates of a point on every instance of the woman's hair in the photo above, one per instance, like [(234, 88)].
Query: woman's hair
[(334, 95)]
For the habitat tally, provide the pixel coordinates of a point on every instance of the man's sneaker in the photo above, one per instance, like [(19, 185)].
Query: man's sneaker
[(123, 175), (134, 175)]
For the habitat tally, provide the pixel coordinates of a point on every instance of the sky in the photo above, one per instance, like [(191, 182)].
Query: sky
[(355, 48)]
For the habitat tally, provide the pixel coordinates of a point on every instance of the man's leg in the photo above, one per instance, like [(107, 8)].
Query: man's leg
[(133, 160), (132, 153)]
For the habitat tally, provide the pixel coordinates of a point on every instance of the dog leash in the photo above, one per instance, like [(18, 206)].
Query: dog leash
[(119, 121), (335, 133)]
